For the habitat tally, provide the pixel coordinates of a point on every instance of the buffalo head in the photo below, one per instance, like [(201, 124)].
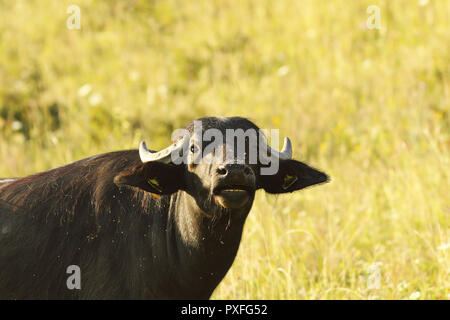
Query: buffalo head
[(220, 163)]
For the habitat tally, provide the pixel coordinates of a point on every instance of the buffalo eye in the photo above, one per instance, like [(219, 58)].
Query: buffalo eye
[(194, 148)]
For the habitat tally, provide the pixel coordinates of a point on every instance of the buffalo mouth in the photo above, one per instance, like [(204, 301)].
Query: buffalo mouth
[(233, 196)]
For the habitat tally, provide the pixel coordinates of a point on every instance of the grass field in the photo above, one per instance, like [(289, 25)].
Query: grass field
[(368, 106)]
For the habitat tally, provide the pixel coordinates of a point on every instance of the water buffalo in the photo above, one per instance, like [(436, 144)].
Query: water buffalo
[(137, 224)]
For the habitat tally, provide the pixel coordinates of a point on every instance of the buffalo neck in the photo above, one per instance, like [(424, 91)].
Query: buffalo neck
[(201, 245)]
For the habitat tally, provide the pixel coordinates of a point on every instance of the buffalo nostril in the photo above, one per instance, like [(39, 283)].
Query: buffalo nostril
[(222, 170)]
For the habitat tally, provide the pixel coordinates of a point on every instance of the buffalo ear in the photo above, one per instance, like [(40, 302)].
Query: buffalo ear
[(292, 175), (154, 177)]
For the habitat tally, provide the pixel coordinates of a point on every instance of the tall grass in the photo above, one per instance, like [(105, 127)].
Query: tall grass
[(369, 107)]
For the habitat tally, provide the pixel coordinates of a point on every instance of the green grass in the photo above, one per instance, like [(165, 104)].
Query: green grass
[(369, 107)]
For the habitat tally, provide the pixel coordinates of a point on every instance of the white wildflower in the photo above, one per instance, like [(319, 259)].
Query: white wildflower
[(414, 295), (95, 99), (444, 246), (282, 71), (84, 90), (16, 125)]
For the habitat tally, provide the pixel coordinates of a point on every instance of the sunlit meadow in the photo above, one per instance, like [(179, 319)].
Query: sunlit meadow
[(368, 106)]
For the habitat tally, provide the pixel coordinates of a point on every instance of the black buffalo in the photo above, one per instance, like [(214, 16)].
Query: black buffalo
[(138, 225)]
